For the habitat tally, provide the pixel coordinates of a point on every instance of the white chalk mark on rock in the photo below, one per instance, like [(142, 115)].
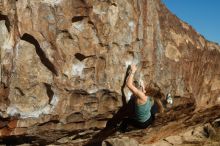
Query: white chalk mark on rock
[(131, 25), (13, 110), (52, 2), (77, 69)]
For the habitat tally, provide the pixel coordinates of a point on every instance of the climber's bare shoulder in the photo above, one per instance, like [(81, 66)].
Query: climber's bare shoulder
[(138, 93)]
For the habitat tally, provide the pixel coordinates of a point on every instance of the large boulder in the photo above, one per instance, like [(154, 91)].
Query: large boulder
[(63, 63)]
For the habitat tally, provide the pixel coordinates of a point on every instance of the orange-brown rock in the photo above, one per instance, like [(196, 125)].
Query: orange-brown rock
[(5, 132), (63, 65), (12, 124)]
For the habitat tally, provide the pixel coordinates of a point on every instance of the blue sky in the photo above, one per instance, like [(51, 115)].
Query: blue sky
[(202, 15)]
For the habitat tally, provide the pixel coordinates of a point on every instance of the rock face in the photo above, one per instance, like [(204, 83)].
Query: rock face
[(63, 62)]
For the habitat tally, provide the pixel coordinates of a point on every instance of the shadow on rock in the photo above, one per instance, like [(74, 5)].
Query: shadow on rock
[(23, 139), (112, 124)]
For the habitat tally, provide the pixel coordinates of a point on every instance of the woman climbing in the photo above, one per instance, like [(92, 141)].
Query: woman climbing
[(144, 99)]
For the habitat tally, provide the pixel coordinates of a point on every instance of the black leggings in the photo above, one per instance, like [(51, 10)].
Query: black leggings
[(135, 123)]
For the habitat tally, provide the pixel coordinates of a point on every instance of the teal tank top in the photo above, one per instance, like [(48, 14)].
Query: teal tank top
[(142, 112)]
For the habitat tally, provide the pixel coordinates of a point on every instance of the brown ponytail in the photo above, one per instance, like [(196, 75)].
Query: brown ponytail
[(154, 91)]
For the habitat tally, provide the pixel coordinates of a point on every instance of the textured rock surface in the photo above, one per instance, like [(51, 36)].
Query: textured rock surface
[(194, 136), (63, 63)]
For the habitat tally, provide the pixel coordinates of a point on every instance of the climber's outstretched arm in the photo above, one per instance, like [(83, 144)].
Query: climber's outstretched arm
[(138, 93)]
